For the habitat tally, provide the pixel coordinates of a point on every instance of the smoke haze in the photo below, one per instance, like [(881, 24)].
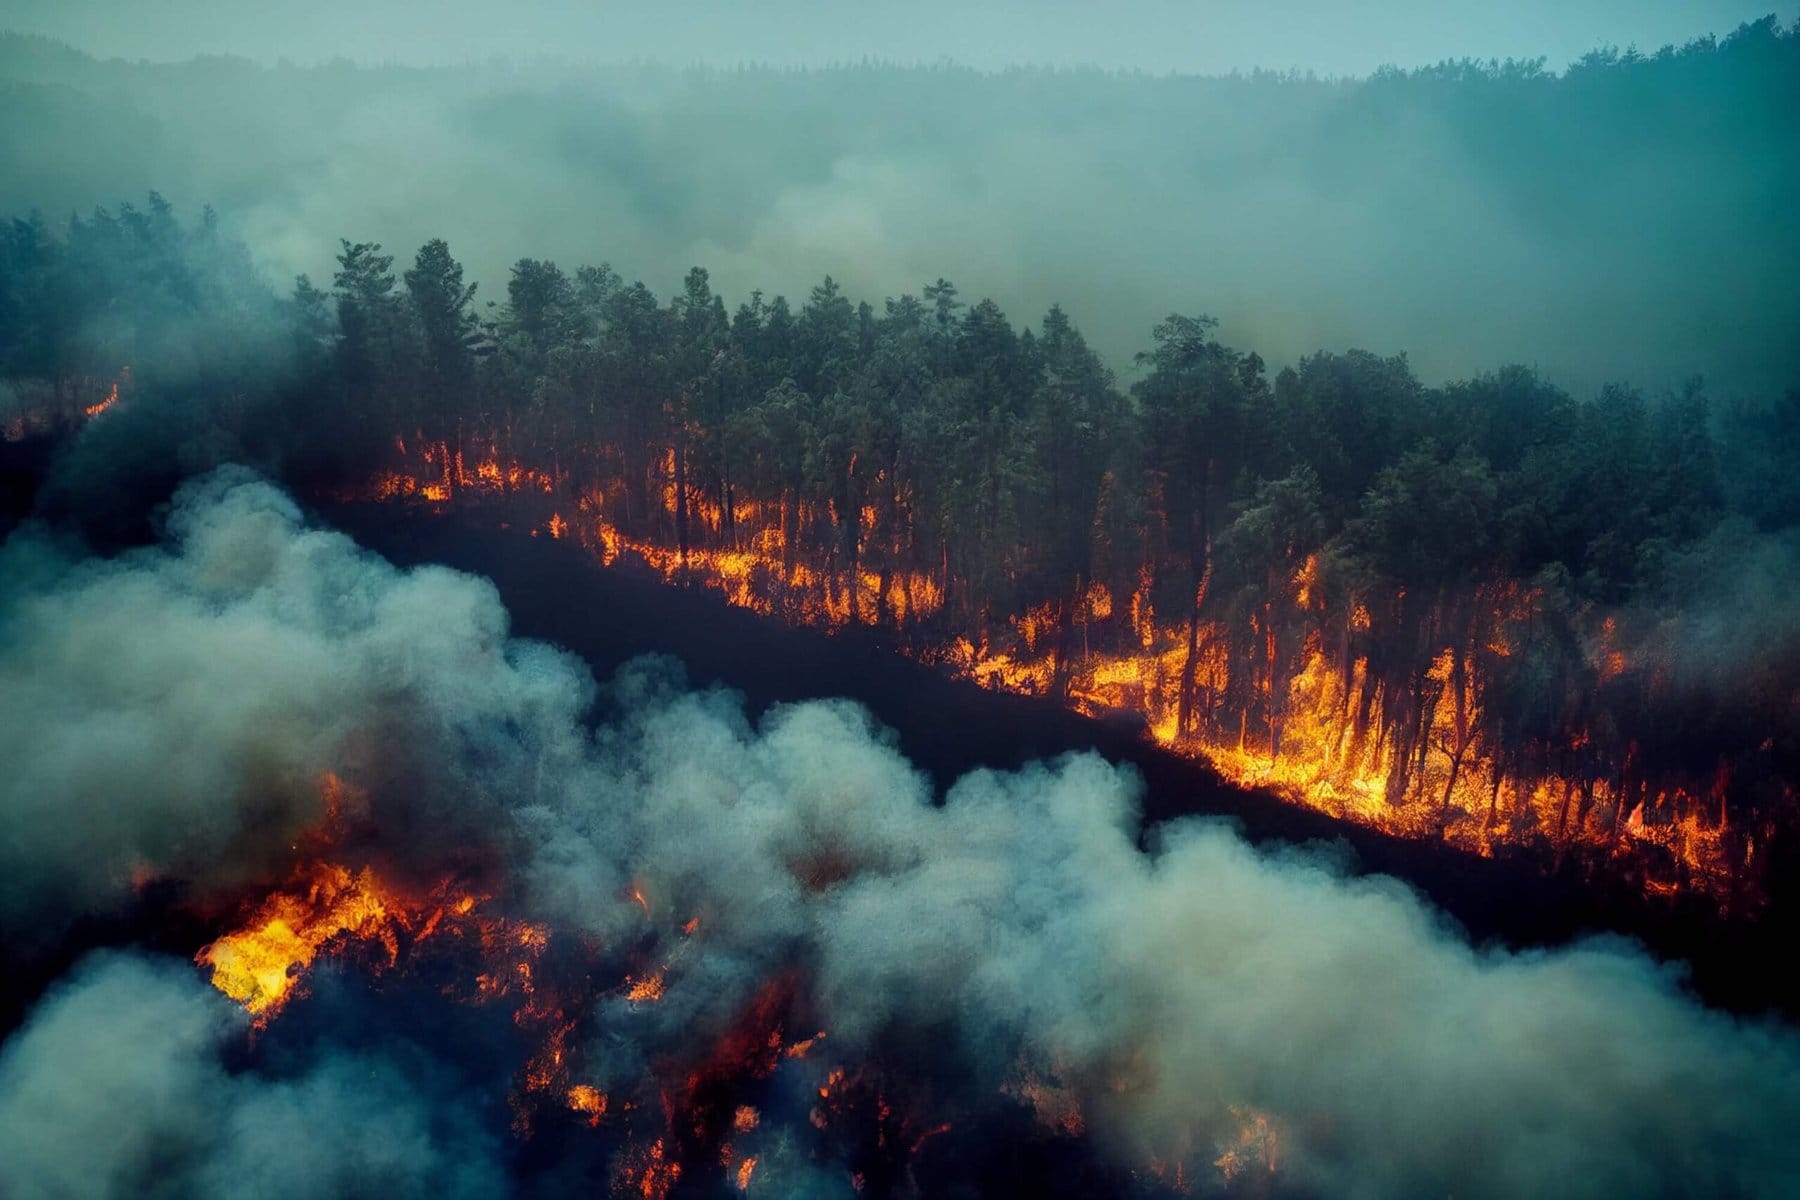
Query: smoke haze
[(1012, 925), (1615, 222), (1212, 36), (479, 923)]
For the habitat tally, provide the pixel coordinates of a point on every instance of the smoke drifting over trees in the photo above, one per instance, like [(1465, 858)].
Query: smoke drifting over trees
[(1015, 926), (1420, 447), (1625, 219), (1489, 611)]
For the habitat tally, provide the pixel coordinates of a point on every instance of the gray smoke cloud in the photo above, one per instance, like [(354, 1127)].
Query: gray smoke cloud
[(1734, 629), (1169, 992), (117, 1087), (170, 712), (1171, 989)]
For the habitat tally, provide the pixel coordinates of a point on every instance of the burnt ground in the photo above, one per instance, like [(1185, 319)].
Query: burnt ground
[(556, 592)]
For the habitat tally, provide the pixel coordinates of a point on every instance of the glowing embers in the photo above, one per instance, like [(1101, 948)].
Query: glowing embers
[(746, 1171), (105, 402), (697, 1119), (588, 1100), (1255, 1151), (443, 472), (648, 989), (713, 1106), (114, 394), (645, 1171), (1055, 1105), (758, 576), (1236, 1150), (58, 413)]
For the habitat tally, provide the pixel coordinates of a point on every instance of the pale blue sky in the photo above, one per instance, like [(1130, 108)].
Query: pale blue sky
[(1206, 36)]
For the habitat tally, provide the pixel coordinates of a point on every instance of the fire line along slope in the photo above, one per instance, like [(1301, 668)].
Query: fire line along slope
[(635, 934)]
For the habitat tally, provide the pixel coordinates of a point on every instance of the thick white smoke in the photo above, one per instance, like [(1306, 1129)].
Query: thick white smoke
[(1170, 992), (1171, 989), (117, 1087), (169, 713)]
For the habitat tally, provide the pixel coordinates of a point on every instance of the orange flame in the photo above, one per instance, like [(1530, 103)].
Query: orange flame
[(585, 1098), (111, 398), (1304, 714), (259, 965), (647, 990)]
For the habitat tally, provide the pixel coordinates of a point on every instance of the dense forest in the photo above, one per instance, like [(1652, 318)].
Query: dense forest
[(1626, 216), (1488, 611), (881, 631)]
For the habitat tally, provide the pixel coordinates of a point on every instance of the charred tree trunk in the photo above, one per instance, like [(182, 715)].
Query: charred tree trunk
[(1460, 730), (850, 522), (1200, 556), (1562, 815), (1184, 696), (681, 500), (728, 508), (789, 531)]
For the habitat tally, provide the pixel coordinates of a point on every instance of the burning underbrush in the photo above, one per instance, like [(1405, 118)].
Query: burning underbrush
[(480, 926), (1471, 719), (745, 1094)]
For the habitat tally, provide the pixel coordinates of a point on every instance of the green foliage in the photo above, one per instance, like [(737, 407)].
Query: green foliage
[(1497, 523)]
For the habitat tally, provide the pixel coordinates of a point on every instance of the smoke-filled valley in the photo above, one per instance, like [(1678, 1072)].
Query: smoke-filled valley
[(1036, 711)]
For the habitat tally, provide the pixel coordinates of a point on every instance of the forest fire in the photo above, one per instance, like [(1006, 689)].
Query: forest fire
[(330, 909), (1297, 698), (700, 1115), (447, 473), (1314, 729), (437, 891), (58, 411), (260, 965), (498, 731), (694, 1116)]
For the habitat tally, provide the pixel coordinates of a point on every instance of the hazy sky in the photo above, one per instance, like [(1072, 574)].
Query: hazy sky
[(1328, 36)]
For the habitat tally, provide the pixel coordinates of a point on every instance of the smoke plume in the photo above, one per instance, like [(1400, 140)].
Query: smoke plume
[(120, 1086), (170, 711)]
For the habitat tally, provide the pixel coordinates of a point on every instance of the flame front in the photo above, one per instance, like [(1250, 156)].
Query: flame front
[(1293, 695), (699, 1119), (259, 965)]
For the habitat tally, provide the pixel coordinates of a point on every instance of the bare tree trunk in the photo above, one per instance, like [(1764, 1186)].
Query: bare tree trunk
[(1459, 722), (1562, 816), (1493, 803), (681, 499), (1184, 712), (789, 532), (850, 521)]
